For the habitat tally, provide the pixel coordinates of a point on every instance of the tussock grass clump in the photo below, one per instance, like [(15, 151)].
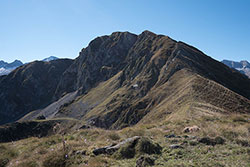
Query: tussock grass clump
[(6, 154), (144, 161), (239, 118), (138, 147), (231, 135), (114, 136), (243, 142), (42, 151), (28, 164), (219, 140), (130, 132), (125, 152), (50, 141), (57, 159), (146, 146)]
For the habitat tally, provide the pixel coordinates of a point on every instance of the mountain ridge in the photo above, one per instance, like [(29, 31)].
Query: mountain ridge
[(120, 79), (116, 91), (6, 68)]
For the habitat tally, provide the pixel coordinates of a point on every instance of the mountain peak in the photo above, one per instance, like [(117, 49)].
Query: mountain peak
[(122, 77), (148, 32), (50, 58), (242, 66), (124, 32), (17, 62)]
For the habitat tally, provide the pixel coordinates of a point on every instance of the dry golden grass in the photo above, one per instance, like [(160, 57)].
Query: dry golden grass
[(34, 152), (182, 106)]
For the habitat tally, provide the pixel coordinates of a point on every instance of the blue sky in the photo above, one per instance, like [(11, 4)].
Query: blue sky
[(35, 29)]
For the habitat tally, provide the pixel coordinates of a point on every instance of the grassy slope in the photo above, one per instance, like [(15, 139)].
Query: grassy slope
[(234, 128), (182, 106), (184, 95)]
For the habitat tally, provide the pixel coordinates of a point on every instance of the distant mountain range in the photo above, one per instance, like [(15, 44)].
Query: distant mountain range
[(6, 68), (242, 66)]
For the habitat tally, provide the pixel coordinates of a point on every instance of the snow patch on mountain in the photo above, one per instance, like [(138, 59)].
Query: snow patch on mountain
[(6, 68), (242, 66), (50, 58)]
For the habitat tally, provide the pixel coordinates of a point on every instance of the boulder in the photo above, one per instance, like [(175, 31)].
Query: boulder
[(212, 141), (175, 146), (130, 147), (207, 141), (170, 136), (79, 152), (139, 147), (191, 129), (114, 147)]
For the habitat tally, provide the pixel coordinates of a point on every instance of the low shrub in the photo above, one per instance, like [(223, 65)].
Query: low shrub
[(138, 147)]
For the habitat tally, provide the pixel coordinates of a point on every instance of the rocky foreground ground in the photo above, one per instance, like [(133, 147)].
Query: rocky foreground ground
[(148, 145)]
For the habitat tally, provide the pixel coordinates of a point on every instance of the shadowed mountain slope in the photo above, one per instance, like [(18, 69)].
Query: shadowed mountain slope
[(29, 87), (122, 79)]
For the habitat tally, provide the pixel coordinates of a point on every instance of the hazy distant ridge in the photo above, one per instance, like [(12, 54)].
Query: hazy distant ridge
[(6, 68), (242, 66)]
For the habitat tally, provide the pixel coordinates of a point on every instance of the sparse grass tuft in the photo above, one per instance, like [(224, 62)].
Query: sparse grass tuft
[(28, 164), (125, 152), (114, 136), (47, 151), (145, 146), (56, 159)]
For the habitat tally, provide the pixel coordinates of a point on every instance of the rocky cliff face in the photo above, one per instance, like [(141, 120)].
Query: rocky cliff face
[(29, 87), (106, 56), (102, 59), (124, 79)]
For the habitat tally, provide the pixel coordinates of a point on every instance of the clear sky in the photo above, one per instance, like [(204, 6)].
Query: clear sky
[(35, 29)]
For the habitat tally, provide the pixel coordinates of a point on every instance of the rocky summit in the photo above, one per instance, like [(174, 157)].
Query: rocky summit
[(124, 86), (124, 79)]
